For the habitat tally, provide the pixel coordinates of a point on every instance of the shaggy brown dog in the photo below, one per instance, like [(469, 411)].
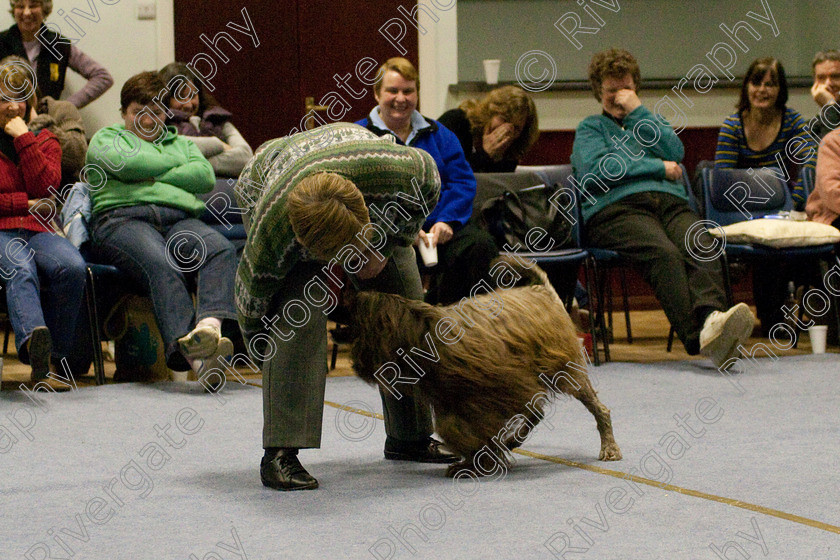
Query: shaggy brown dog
[(489, 365)]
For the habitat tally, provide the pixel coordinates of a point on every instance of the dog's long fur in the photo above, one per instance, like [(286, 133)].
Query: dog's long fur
[(488, 377)]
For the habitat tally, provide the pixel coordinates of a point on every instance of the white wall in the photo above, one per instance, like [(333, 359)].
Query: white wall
[(119, 41), (125, 46), (559, 110)]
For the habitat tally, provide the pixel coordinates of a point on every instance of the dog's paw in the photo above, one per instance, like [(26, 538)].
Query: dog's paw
[(610, 452)]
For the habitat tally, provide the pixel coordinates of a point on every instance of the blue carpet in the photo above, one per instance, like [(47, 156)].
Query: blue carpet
[(97, 478)]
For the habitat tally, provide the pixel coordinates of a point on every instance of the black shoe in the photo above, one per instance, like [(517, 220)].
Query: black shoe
[(39, 348), (284, 472), (427, 451)]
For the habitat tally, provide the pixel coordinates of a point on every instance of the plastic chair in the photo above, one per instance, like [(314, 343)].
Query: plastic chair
[(736, 195)]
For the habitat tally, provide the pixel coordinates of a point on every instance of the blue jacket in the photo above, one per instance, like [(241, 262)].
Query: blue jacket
[(457, 182)]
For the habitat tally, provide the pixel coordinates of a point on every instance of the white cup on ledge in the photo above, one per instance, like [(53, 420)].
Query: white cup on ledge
[(491, 70)]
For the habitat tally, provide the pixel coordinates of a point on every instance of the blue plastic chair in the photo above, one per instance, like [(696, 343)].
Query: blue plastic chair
[(567, 201), (736, 195)]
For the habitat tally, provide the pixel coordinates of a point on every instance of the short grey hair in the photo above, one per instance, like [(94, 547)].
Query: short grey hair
[(46, 7)]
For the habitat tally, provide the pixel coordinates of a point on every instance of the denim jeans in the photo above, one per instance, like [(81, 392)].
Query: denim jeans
[(163, 250), (45, 285)]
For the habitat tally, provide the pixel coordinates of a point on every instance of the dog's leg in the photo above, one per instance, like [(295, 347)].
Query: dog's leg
[(609, 448), (584, 392)]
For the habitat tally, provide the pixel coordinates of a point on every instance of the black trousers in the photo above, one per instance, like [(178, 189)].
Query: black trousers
[(654, 231), (463, 261)]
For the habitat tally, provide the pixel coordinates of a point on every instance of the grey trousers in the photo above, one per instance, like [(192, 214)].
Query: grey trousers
[(294, 378)]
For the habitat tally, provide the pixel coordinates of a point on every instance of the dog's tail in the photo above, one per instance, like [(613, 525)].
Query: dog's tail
[(530, 276)]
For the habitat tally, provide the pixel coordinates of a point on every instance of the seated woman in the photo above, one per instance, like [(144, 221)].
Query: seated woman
[(62, 118), (633, 202), (26, 37), (198, 115), (44, 274), (759, 134), (144, 222), (464, 250), (496, 131)]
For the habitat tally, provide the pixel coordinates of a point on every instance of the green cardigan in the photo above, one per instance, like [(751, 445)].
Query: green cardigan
[(385, 172), (136, 172), (597, 151)]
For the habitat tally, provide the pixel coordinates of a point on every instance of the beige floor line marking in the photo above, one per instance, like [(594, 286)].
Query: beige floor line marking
[(686, 491), (641, 480)]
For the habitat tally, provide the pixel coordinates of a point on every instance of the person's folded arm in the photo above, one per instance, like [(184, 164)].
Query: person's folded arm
[(230, 162), (14, 204), (209, 146), (40, 162), (669, 147), (126, 164), (592, 145), (195, 175)]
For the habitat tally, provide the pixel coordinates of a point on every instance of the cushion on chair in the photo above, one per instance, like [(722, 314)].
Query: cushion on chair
[(778, 233)]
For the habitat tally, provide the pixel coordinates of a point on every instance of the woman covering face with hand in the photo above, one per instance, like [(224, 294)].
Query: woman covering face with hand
[(44, 274), (496, 131)]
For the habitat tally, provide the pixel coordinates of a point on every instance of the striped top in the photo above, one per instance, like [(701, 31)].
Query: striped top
[(792, 148), (396, 181)]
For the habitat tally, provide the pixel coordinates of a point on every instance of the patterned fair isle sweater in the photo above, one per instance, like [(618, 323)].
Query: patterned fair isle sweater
[(732, 150), (386, 173)]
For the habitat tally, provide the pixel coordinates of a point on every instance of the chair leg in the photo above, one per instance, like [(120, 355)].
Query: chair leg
[(598, 319), (6, 338), (608, 281), (334, 356), (626, 305), (670, 339), (727, 281), (93, 320), (593, 313)]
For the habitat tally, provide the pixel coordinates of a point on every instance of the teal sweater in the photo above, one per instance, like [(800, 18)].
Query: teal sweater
[(631, 169), (137, 172)]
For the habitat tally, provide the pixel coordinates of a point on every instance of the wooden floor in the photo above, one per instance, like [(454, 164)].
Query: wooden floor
[(650, 335)]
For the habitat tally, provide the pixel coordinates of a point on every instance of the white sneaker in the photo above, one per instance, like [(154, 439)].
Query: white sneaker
[(210, 379), (723, 331), (201, 342)]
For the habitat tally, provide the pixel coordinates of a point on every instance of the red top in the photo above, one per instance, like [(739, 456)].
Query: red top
[(38, 169)]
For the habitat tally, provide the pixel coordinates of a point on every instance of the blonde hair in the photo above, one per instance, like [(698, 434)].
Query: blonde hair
[(511, 103), (327, 212), (401, 66)]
